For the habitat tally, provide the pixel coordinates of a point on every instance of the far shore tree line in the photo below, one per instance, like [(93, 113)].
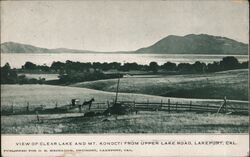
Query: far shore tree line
[(227, 63), (70, 72)]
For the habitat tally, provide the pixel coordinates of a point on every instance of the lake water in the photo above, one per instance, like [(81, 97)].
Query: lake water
[(17, 60)]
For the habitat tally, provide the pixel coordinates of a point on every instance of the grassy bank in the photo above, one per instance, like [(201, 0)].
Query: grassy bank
[(233, 84), (144, 122), (36, 95)]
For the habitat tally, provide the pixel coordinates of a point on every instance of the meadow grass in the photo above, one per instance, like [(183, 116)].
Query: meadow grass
[(233, 84), (48, 95), (144, 122)]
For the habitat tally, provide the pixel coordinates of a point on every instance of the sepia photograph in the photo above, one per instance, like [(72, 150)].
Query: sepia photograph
[(83, 67), (124, 78)]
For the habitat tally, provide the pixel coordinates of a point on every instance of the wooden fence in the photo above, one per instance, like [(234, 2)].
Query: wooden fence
[(228, 106), (236, 107)]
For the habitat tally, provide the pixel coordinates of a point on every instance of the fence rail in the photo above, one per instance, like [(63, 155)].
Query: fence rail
[(226, 106)]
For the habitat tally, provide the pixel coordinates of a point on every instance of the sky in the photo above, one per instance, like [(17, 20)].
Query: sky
[(119, 25)]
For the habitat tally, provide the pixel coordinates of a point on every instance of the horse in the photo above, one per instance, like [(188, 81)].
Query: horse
[(88, 103)]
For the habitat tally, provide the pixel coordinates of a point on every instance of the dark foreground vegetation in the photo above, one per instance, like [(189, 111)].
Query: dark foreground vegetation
[(143, 122), (72, 72)]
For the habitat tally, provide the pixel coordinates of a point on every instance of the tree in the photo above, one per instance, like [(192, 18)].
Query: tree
[(97, 65), (57, 66), (244, 65), (169, 66), (129, 66), (29, 66), (185, 67), (115, 65), (229, 63), (199, 67), (213, 67), (44, 67), (8, 76), (105, 66), (153, 66), (125, 67)]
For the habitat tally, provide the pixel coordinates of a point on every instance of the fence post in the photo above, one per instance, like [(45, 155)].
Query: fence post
[(168, 105), (108, 104), (224, 104), (27, 108), (109, 109), (37, 116), (161, 105), (225, 101), (190, 105), (80, 108), (134, 104), (56, 105), (12, 108), (148, 104)]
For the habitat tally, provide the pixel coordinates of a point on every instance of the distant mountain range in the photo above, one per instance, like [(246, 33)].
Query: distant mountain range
[(12, 47), (189, 44)]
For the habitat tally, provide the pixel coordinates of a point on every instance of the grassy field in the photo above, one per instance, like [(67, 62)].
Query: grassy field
[(233, 84), (48, 95), (144, 122)]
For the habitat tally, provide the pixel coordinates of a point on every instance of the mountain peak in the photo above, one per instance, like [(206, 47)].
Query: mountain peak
[(196, 44)]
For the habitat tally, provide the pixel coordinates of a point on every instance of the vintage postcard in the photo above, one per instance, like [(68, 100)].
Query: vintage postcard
[(124, 78)]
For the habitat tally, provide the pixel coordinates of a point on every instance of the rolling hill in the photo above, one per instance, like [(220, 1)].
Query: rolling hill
[(233, 84), (196, 44), (13, 47), (19, 95)]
